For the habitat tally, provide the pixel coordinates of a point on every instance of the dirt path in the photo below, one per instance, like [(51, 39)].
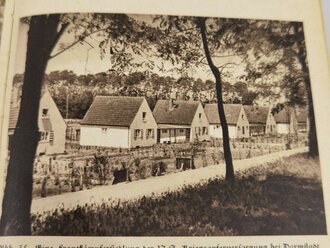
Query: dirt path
[(152, 185)]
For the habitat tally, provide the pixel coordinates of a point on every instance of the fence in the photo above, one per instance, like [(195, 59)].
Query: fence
[(141, 162)]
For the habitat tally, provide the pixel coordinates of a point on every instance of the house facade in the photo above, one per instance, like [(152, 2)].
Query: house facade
[(302, 120), (261, 120), (51, 125), (286, 121), (117, 121), (238, 124), (72, 130), (180, 121)]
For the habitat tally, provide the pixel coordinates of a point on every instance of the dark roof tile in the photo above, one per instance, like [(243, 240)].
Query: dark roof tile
[(13, 117), (302, 115), (232, 113), (182, 112), (283, 116), (112, 111), (256, 114)]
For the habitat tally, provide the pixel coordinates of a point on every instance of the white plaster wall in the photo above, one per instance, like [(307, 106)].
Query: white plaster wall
[(216, 132), (270, 122), (199, 122), (113, 137), (58, 126), (242, 122), (282, 128), (148, 122)]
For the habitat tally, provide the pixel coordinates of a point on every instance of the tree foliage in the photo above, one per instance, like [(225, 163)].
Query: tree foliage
[(267, 48)]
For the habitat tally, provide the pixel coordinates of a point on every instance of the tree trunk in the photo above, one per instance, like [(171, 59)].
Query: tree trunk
[(16, 205), (312, 137), (230, 176), (302, 58)]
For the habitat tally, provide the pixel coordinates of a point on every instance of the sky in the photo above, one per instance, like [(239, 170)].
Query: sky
[(83, 59)]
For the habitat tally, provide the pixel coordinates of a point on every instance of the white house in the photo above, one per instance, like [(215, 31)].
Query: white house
[(51, 124), (118, 121), (286, 121), (238, 124), (302, 120), (72, 129), (180, 120), (261, 120)]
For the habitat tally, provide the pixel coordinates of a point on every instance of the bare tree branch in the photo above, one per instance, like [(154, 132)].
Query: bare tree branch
[(81, 39)]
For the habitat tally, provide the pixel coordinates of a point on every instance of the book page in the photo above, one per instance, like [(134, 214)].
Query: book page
[(164, 124)]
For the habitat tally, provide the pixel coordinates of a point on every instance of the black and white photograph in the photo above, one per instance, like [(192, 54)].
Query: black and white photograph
[(124, 124)]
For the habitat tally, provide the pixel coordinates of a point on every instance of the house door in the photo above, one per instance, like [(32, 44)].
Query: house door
[(158, 136)]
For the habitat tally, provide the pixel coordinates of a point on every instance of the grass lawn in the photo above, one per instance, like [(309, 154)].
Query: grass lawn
[(281, 198)]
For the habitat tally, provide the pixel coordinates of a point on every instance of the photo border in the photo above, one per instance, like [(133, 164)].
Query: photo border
[(306, 11)]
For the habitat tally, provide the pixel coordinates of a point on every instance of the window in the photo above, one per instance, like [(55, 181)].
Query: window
[(204, 130), (243, 130), (104, 130), (150, 134), (239, 128), (164, 130), (242, 117), (198, 130), (138, 134), (181, 130), (44, 112), (144, 114), (43, 136), (200, 115)]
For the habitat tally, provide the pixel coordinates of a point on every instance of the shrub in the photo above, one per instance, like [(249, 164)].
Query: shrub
[(279, 198)]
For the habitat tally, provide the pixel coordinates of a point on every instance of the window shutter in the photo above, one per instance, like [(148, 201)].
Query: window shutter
[(51, 138)]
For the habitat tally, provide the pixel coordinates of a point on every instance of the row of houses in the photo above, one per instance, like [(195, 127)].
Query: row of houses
[(117, 121), (127, 122)]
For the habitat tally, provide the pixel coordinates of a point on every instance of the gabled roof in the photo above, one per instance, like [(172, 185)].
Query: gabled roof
[(283, 116), (256, 114), (112, 111), (232, 112), (302, 115), (182, 112)]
